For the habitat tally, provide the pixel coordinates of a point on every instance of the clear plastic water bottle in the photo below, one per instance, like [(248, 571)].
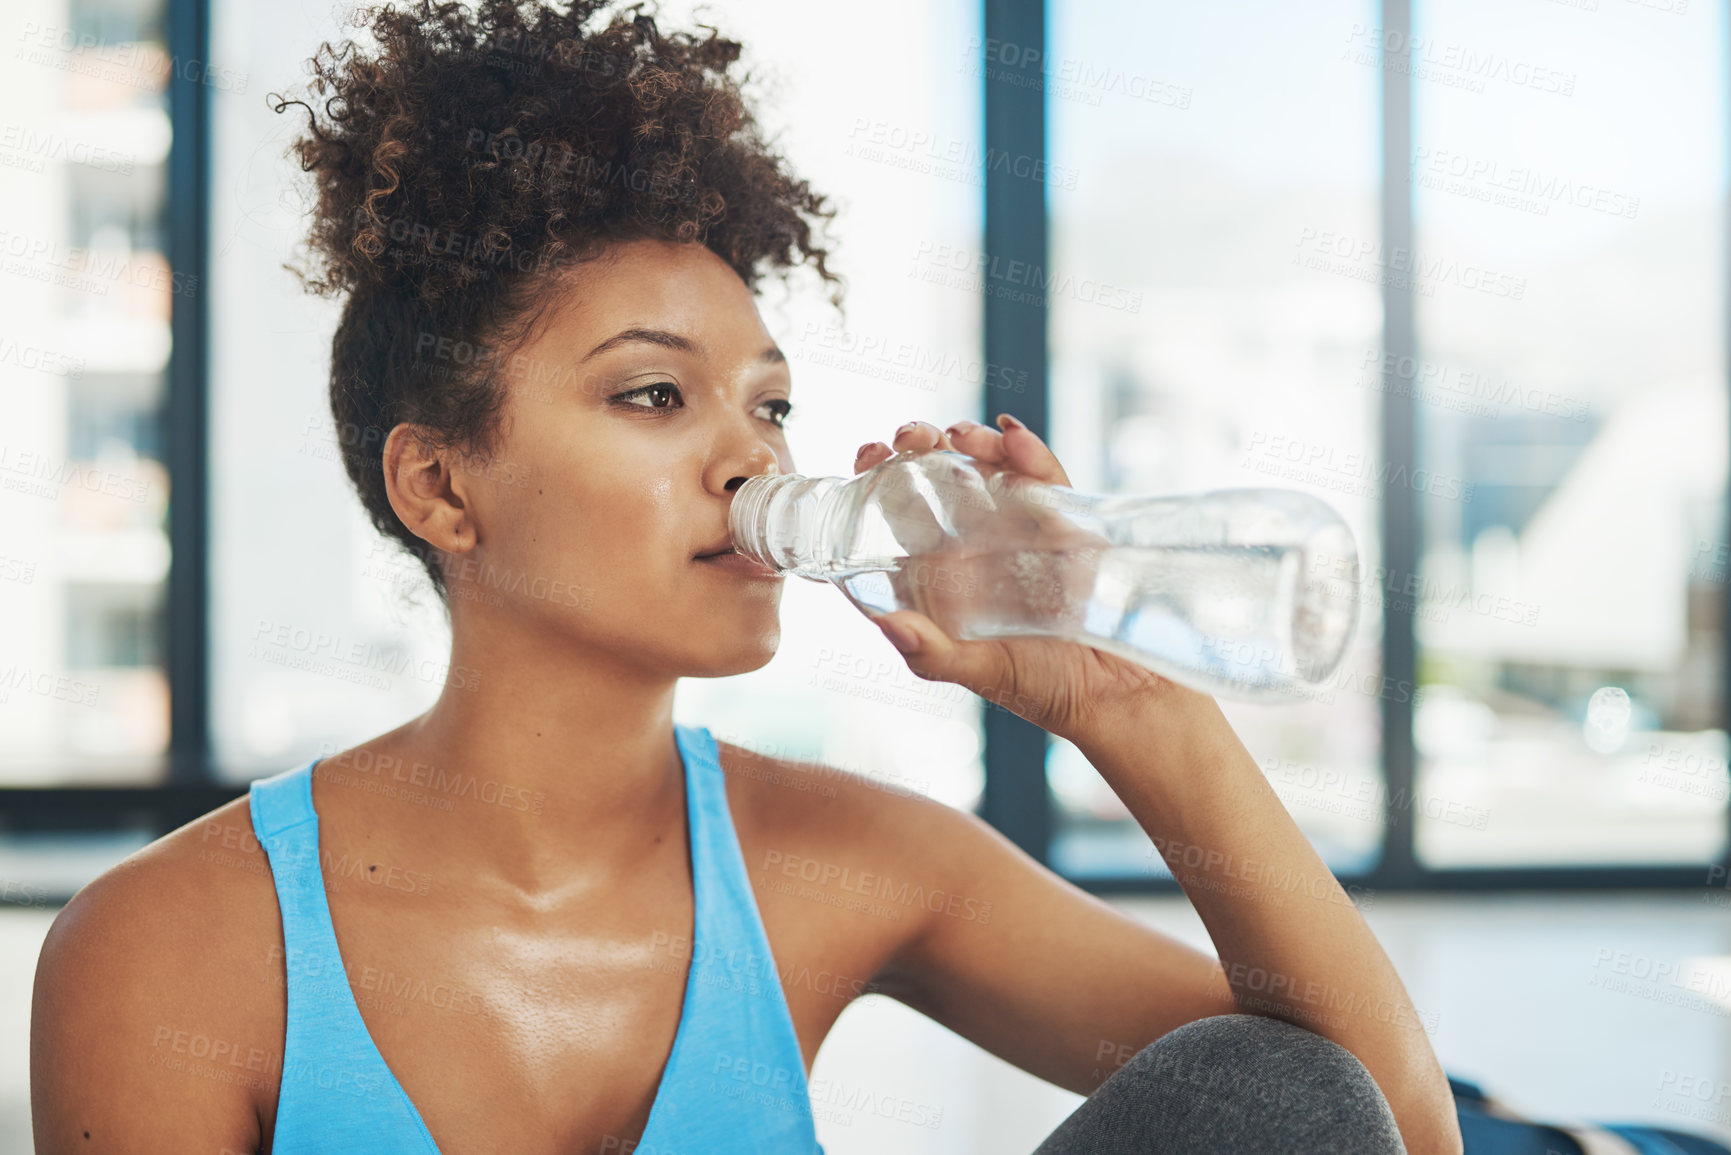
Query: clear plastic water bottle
[(1244, 593)]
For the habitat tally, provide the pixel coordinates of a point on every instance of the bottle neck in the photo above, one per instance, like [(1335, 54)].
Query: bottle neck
[(775, 519)]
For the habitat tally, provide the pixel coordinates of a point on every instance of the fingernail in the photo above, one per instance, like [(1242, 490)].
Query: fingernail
[(900, 636), (860, 452), (959, 426), (1005, 421)]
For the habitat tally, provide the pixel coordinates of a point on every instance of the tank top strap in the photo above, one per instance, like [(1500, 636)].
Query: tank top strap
[(735, 1081), (336, 1088)]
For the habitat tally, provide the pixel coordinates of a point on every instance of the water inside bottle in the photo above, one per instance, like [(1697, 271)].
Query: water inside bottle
[(1244, 618)]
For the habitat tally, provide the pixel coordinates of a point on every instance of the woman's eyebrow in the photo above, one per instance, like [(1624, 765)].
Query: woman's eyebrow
[(670, 340)]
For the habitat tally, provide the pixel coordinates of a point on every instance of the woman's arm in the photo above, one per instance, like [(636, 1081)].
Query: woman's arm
[(146, 1033), (1068, 987), (1291, 943)]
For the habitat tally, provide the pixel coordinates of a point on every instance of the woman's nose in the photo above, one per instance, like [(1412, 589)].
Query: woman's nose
[(734, 483), (759, 461)]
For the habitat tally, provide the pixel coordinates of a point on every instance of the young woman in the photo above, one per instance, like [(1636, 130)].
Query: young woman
[(540, 917)]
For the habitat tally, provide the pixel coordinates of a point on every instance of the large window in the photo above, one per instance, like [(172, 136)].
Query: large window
[(85, 297), (1553, 335), (1456, 268)]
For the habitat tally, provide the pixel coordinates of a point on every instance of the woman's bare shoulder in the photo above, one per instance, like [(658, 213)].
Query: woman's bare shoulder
[(793, 805), (200, 894), (773, 777), (159, 990), (847, 865)]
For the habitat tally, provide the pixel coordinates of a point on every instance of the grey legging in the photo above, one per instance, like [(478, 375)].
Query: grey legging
[(1233, 1085)]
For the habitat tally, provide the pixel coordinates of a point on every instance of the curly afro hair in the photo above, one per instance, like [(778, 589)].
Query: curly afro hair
[(475, 151)]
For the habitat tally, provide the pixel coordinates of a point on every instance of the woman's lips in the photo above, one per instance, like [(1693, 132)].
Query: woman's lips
[(737, 563)]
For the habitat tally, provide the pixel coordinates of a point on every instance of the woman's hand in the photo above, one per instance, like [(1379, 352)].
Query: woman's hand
[(1064, 687)]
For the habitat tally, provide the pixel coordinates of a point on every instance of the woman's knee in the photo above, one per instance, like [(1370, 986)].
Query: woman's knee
[(1258, 1083), (1235, 1084)]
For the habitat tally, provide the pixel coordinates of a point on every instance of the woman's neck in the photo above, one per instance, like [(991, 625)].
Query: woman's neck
[(560, 762)]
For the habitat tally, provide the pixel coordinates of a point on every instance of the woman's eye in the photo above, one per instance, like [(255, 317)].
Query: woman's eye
[(663, 395)]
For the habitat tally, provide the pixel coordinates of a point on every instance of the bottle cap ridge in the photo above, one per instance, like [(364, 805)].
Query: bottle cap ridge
[(748, 516)]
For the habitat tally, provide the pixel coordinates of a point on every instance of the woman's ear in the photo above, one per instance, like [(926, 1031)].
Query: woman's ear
[(426, 492)]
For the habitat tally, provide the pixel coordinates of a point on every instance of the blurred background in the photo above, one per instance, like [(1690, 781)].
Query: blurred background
[(1456, 266)]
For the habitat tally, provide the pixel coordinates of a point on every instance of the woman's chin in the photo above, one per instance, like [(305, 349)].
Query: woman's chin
[(740, 656)]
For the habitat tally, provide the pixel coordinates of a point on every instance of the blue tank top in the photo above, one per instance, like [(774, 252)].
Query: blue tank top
[(733, 1083)]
